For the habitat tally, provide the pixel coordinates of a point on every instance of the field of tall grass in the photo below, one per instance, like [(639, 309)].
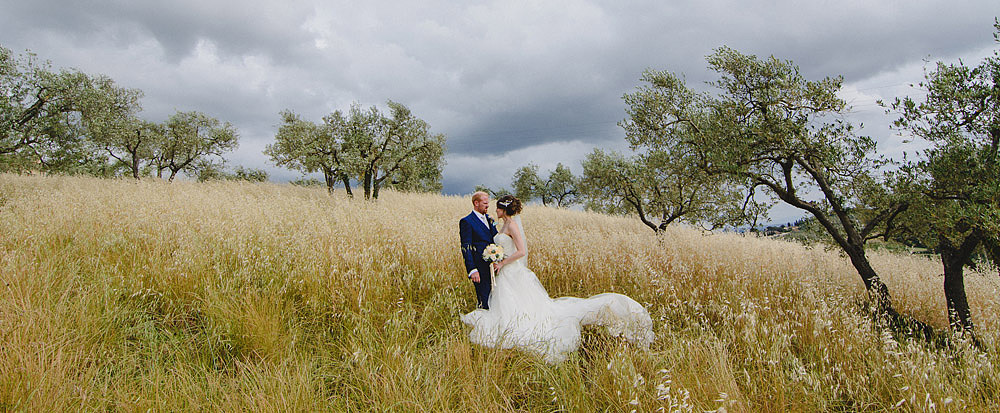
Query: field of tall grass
[(124, 295)]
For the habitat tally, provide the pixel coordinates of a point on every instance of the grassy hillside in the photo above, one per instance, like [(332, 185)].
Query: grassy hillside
[(234, 296)]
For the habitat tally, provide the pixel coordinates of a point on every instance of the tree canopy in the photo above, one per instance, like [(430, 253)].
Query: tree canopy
[(110, 116), (192, 136), (389, 148), (953, 189), (307, 147), (378, 150), (70, 122), (40, 112), (659, 190), (561, 188), (779, 135), (665, 181)]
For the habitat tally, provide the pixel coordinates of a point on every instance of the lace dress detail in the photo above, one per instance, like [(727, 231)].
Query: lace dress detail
[(522, 315)]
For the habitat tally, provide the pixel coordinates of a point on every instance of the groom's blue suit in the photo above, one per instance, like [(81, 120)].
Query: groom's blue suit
[(475, 237)]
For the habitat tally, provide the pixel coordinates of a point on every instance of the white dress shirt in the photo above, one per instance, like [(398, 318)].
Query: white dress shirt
[(482, 217)]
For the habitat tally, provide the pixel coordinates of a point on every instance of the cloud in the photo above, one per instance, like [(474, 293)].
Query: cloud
[(237, 27), (518, 80), (496, 169)]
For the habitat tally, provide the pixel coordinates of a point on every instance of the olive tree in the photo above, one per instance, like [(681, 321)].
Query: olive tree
[(110, 117), (40, 113), (659, 190), (494, 193), (34, 100), (955, 187), (208, 170), (388, 149), (561, 188), (775, 131), (190, 137), (308, 147), (421, 172), (526, 182)]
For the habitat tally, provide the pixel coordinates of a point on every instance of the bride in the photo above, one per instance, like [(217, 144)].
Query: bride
[(521, 314)]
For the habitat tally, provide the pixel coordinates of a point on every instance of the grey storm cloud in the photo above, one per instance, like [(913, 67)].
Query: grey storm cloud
[(508, 82), (238, 27)]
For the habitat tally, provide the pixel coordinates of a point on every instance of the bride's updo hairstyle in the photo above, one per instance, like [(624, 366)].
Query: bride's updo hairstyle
[(509, 204)]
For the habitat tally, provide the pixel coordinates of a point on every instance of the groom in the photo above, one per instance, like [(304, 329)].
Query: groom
[(477, 230)]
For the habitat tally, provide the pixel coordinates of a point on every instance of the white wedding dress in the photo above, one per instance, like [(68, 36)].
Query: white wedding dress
[(522, 315)]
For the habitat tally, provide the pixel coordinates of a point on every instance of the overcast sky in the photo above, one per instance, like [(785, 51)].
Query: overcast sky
[(507, 82)]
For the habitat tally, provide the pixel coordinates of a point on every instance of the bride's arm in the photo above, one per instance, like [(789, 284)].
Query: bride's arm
[(522, 248)]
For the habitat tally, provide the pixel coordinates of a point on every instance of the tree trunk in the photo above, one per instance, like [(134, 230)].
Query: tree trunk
[(347, 185), (135, 165), (954, 260), (328, 177), (959, 317), (879, 294), (876, 288), (375, 188), (368, 185), (637, 204), (173, 173)]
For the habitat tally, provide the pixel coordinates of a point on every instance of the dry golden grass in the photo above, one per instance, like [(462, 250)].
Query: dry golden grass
[(232, 296)]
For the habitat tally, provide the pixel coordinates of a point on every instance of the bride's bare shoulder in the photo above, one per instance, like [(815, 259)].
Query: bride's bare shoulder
[(512, 228)]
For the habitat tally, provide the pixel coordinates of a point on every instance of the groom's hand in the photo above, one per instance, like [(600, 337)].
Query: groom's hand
[(474, 276)]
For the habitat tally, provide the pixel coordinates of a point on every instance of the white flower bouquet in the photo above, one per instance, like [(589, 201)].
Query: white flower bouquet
[(493, 253)]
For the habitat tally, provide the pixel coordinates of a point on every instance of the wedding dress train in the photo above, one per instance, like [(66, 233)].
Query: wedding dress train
[(522, 315)]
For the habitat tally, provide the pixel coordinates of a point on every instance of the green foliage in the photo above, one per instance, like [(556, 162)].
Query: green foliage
[(955, 187), (395, 150), (494, 193), (378, 150), (307, 182), (561, 188), (207, 170), (250, 174), (40, 117), (307, 147), (666, 181), (671, 178), (768, 128), (73, 123), (526, 183), (659, 190), (421, 172), (772, 129), (607, 178), (192, 137), (953, 191), (110, 118)]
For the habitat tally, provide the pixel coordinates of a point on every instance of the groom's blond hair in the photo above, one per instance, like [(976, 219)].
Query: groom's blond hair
[(479, 194)]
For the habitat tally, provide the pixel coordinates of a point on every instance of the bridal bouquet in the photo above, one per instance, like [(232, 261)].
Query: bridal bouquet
[(493, 253)]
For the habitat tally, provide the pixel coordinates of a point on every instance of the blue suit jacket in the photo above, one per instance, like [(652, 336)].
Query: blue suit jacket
[(475, 237)]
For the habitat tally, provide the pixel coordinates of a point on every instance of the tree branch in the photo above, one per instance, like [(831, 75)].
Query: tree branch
[(835, 204)]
